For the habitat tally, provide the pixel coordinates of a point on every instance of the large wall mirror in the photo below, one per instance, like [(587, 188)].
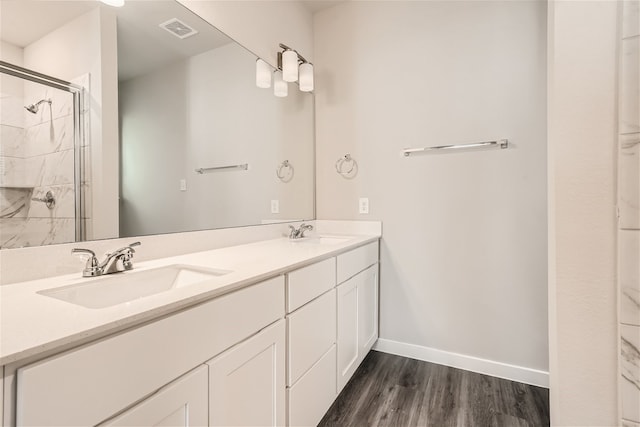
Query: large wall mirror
[(139, 120)]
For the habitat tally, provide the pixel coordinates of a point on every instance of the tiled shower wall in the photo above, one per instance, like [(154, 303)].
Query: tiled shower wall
[(37, 155), (629, 213)]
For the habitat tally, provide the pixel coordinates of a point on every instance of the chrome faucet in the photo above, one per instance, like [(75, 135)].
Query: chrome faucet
[(114, 262), (298, 233)]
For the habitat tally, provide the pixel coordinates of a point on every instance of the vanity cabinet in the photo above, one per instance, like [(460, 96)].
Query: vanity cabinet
[(180, 403), (247, 382), (330, 335), (357, 307), (88, 385), (311, 329), (274, 353)]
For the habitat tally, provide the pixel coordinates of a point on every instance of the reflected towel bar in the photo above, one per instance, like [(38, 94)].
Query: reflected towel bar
[(244, 167), (501, 143)]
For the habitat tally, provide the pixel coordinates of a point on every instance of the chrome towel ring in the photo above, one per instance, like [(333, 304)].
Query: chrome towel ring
[(347, 166), (285, 171)]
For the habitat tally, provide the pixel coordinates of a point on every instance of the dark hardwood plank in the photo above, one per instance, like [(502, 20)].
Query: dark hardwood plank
[(389, 390)]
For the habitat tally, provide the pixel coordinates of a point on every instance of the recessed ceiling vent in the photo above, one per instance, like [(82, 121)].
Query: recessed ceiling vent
[(178, 28)]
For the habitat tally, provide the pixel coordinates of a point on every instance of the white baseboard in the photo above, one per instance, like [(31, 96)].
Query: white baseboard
[(468, 363)]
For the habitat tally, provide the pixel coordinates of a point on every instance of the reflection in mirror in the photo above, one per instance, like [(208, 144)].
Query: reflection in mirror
[(167, 95), (37, 164)]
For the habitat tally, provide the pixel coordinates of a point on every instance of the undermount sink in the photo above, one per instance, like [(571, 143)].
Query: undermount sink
[(131, 285), (322, 240)]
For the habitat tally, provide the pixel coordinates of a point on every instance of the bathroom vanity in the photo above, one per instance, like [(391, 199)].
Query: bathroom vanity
[(271, 342)]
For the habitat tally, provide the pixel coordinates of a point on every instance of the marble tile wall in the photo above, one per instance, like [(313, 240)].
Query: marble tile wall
[(39, 156), (11, 137), (629, 214), (629, 181), (18, 232), (13, 199)]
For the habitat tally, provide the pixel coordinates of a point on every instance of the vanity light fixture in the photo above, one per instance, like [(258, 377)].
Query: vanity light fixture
[(289, 60), (292, 67), (263, 74), (306, 77), (280, 87), (115, 3)]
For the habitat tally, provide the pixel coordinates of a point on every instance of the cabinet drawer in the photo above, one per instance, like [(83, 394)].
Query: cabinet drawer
[(310, 398), (307, 283), (312, 330), (351, 263), (87, 385)]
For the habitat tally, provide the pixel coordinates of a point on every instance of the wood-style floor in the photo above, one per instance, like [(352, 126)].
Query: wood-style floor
[(390, 390)]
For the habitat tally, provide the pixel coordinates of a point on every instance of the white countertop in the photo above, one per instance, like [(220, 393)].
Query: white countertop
[(32, 324)]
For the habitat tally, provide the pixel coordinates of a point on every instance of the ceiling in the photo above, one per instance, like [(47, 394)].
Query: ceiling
[(24, 21), (142, 44), (318, 5)]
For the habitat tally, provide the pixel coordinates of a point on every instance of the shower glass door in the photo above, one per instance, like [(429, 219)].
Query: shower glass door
[(40, 159)]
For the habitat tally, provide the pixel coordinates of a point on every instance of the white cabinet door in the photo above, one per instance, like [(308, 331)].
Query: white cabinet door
[(314, 393), (312, 331), (357, 322), (347, 337), (367, 311), (184, 402), (247, 382)]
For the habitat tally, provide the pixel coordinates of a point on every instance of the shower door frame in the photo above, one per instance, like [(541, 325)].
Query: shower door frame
[(79, 132)]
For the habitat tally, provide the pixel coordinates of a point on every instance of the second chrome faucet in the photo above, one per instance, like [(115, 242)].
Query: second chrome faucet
[(298, 233), (114, 262)]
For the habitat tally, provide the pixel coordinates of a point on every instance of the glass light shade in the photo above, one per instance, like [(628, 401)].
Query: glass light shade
[(289, 66), (280, 87), (116, 3), (263, 74), (306, 77)]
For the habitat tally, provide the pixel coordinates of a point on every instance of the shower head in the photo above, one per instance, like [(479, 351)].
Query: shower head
[(33, 108)]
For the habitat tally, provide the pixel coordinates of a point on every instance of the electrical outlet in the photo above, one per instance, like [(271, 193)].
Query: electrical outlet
[(363, 205), (183, 184), (275, 206)]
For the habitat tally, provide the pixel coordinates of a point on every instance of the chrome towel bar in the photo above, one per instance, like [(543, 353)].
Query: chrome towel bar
[(243, 167), (501, 143)]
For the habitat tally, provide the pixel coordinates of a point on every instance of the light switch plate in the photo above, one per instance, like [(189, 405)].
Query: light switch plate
[(363, 205), (183, 184)]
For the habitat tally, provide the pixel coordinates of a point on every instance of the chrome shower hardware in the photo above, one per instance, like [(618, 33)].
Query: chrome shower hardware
[(48, 200), (33, 108)]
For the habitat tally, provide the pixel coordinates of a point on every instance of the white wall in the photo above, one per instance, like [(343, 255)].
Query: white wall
[(464, 252), (88, 45), (582, 213), (152, 155), (205, 104), (11, 53), (260, 25)]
